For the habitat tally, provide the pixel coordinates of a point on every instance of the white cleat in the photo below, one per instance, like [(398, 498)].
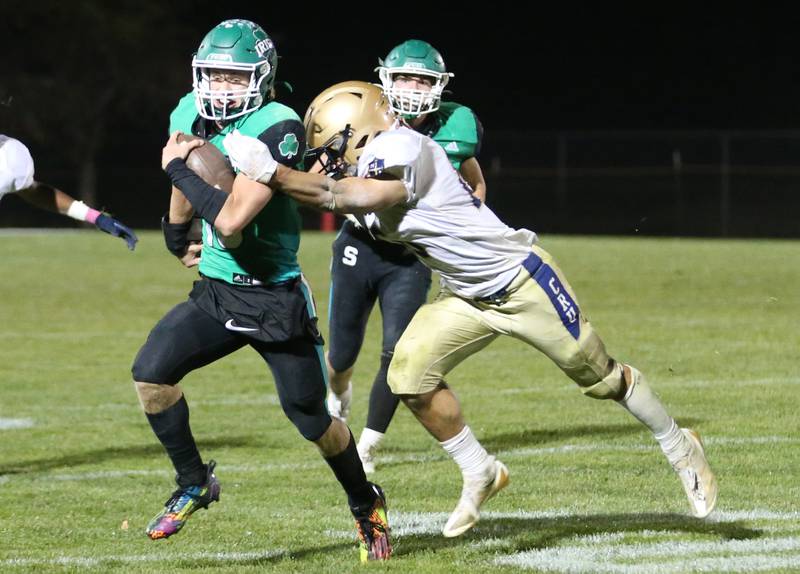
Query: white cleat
[(697, 477), (339, 405), (367, 460), (473, 495)]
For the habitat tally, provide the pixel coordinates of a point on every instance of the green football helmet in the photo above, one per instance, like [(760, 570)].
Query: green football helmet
[(234, 45), (418, 58)]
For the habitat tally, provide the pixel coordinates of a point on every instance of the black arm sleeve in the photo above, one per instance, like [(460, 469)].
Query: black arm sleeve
[(206, 200)]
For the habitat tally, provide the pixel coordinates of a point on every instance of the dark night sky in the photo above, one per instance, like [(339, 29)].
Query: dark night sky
[(576, 66)]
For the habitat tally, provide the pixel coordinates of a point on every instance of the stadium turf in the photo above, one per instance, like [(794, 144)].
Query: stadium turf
[(711, 323)]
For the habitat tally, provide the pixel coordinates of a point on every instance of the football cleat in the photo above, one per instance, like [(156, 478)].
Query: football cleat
[(473, 495), (373, 530), (339, 404), (696, 476), (182, 504)]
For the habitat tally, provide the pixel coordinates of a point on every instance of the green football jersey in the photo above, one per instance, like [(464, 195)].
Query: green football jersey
[(457, 130), (266, 249)]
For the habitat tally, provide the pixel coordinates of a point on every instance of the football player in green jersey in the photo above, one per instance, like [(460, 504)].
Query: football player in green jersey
[(251, 291), (363, 269)]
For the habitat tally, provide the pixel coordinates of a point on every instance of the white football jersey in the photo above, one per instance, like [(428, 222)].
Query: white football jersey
[(449, 229), (16, 166)]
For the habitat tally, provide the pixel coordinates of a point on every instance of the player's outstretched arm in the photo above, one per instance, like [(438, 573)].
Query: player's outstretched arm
[(53, 199), (349, 195)]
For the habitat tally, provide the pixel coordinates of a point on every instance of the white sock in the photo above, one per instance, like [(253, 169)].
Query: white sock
[(369, 440), (470, 456), (643, 403), (345, 394), (673, 443)]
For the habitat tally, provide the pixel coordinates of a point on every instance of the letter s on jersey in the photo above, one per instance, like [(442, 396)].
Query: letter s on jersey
[(350, 255)]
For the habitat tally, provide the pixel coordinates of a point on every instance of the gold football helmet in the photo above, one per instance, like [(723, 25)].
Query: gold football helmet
[(342, 120)]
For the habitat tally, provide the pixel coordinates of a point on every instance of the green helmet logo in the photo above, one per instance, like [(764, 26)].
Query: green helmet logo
[(419, 59), (234, 46)]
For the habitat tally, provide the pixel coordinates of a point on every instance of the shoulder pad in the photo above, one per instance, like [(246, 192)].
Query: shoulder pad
[(392, 149), (18, 161)]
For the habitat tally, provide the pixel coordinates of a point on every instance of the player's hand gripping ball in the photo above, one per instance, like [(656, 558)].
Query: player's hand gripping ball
[(210, 163)]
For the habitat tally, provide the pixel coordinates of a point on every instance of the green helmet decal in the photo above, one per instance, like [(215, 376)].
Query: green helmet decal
[(416, 59), (236, 47)]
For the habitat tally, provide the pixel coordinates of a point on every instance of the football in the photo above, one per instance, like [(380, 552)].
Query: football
[(212, 165)]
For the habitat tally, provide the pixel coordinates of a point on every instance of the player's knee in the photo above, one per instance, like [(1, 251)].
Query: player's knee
[(410, 375), (147, 370), (150, 370), (612, 386), (598, 375), (310, 416), (416, 403), (340, 362), (152, 364)]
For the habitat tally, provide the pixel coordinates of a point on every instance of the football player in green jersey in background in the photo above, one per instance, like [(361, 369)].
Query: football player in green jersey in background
[(251, 291), (413, 76)]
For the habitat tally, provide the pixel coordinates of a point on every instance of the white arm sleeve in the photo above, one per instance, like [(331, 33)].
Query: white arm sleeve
[(16, 166)]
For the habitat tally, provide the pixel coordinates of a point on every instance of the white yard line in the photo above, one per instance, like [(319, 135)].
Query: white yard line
[(663, 557), (6, 424), (406, 523)]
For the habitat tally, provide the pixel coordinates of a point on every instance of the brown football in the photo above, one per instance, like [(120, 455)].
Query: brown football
[(210, 164)]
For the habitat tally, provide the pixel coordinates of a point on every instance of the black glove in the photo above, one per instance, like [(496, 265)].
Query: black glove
[(176, 236), (113, 227)]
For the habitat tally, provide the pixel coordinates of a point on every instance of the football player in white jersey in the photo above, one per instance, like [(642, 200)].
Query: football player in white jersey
[(17, 176), (496, 281)]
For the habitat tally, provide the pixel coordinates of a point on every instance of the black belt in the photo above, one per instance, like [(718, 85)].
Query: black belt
[(531, 264)]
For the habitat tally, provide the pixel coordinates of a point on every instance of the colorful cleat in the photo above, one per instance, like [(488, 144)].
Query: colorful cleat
[(182, 504), (373, 530)]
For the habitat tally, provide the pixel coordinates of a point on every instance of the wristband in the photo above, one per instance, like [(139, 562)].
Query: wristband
[(206, 200), (175, 235), (82, 212)]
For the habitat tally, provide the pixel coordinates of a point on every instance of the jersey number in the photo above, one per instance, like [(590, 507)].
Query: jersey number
[(212, 238)]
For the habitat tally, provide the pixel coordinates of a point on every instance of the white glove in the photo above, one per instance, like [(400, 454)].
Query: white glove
[(250, 156)]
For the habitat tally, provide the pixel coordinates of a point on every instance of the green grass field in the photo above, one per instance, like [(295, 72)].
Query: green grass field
[(713, 324)]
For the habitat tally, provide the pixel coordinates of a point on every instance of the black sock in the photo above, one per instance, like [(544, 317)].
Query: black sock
[(382, 402), (348, 470), (172, 429)]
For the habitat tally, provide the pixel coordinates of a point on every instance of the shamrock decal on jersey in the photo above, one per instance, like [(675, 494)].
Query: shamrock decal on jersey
[(289, 146)]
